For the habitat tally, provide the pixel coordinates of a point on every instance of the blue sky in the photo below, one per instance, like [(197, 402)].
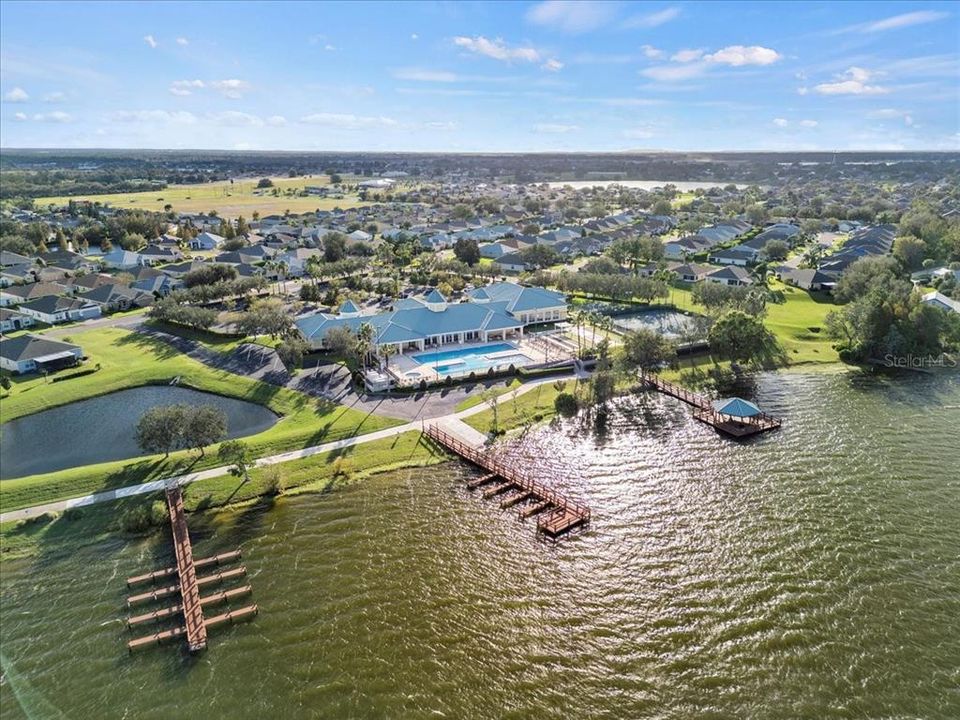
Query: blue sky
[(501, 76)]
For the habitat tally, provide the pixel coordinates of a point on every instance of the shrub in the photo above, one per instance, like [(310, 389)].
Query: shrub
[(79, 373), (274, 481), (143, 517), (566, 404)]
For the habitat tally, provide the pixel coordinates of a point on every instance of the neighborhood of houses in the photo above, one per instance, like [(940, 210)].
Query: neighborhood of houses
[(65, 286)]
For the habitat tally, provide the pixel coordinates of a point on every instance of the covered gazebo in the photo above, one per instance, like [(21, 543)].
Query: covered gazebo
[(736, 408)]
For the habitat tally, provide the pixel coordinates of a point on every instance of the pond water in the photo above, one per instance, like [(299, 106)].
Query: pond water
[(812, 572), (103, 428)]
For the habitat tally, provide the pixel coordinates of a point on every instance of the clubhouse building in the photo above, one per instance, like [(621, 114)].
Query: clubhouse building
[(497, 312)]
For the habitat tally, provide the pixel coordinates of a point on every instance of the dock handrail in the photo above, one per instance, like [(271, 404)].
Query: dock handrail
[(517, 477), (703, 404)]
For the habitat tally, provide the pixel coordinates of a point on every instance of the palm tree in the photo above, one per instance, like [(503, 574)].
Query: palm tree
[(364, 344), (282, 268), (577, 317), (385, 351)]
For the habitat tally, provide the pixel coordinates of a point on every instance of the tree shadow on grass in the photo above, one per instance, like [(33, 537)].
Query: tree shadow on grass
[(156, 346)]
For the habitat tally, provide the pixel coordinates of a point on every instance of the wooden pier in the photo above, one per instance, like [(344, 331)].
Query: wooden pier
[(187, 585), (704, 412), (564, 514)]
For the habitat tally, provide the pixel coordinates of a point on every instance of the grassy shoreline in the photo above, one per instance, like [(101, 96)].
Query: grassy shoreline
[(317, 474)]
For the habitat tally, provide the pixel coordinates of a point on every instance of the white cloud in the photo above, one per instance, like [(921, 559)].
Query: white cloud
[(20, 117), (424, 75), (182, 41), (674, 73), (414, 36), (53, 117), (16, 95), (892, 114), (496, 49), (738, 55), (852, 81), (233, 88), (572, 16), (803, 90), (149, 40), (920, 17), (185, 87), (235, 118), (685, 56), (652, 19), (329, 48), (553, 65), (649, 51), (345, 121), (54, 97), (809, 123), (153, 116), (554, 128), (276, 121), (441, 125), (781, 122)]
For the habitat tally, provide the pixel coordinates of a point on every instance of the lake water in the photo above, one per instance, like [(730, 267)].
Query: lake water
[(682, 186), (809, 573), (104, 428)]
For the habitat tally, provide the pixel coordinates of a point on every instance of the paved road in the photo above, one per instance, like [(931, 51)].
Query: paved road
[(156, 485)]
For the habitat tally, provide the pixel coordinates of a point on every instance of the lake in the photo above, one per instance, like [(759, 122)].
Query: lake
[(103, 428), (812, 572)]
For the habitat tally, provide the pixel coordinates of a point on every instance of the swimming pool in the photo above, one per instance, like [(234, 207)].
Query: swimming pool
[(463, 361)]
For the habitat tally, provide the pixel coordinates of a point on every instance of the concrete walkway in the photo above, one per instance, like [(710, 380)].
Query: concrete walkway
[(156, 485)]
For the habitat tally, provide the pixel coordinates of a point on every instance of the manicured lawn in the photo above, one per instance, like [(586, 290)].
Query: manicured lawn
[(476, 399), (129, 360), (314, 474), (533, 406), (228, 199), (799, 325)]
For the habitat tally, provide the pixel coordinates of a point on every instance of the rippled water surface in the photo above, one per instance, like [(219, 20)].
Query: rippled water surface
[(812, 572)]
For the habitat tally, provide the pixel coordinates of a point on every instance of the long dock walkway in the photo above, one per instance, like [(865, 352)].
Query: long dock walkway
[(562, 514), (184, 581), (186, 572), (704, 412)]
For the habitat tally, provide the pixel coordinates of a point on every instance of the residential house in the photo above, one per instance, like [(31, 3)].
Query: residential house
[(118, 298), (731, 275), (207, 241), (121, 259), (156, 254), (741, 256), (28, 353), (511, 262), (939, 300), (17, 294), (689, 272), (11, 320), (53, 309), (805, 278)]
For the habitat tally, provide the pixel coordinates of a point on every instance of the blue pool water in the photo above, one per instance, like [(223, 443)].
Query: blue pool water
[(463, 361)]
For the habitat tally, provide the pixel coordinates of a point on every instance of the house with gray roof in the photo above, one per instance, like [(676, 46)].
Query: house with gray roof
[(53, 309), (28, 353), (730, 275)]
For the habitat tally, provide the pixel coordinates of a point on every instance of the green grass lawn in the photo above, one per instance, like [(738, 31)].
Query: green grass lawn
[(130, 360), (229, 199), (476, 399), (318, 473), (533, 406)]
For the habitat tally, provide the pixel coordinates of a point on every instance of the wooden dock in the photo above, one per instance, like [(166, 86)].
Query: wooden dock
[(704, 412), (564, 515), (187, 584)]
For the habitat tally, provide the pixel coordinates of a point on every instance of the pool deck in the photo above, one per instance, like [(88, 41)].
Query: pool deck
[(409, 371)]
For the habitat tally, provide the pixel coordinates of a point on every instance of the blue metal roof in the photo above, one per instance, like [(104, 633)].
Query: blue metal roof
[(736, 407)]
